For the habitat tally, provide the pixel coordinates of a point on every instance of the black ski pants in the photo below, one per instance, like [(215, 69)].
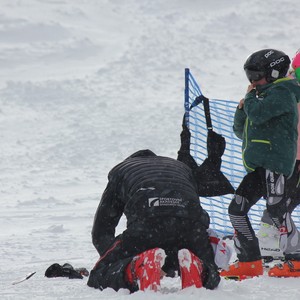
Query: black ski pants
[(168, 233), (257, 184)]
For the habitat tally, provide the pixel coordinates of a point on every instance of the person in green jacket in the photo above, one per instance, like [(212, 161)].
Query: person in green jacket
[(268, 234), (266, 120)]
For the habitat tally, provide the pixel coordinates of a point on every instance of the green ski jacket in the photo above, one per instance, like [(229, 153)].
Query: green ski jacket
[(267, 124)]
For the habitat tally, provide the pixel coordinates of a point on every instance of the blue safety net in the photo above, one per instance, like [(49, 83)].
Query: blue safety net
[(222, 114)]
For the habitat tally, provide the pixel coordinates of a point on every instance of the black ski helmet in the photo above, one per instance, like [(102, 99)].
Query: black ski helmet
[(269, 63)]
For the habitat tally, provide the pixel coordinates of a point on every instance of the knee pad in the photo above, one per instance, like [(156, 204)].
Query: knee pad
[(278, 209), (239, 206)]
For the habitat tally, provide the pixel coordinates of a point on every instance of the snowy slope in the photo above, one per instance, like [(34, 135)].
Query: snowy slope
[(83, 84)]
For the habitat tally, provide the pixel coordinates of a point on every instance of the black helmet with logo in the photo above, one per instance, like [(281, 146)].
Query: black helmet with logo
[(269, 63)]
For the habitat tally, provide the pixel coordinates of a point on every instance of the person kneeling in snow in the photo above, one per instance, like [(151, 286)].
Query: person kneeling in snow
[(160, 199)]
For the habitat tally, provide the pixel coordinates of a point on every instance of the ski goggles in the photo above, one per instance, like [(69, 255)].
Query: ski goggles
[(254, 75)]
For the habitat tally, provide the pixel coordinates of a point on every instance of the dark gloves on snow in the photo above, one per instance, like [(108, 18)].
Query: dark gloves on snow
[(65, 270)]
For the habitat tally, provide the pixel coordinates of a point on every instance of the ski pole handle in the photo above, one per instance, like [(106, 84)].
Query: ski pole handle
[(207, 113), (205, 102)]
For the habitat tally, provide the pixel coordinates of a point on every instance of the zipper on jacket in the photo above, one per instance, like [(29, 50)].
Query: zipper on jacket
[(246, 144)]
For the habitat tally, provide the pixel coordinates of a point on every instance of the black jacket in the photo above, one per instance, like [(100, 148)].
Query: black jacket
[(144, 186)]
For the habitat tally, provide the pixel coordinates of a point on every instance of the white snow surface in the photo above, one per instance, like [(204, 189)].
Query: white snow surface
[(83, 84)]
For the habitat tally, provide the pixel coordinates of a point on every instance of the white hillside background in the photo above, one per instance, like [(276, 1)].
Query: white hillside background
[(83, 84)]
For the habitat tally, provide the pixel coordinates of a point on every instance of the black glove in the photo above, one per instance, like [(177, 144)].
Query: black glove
[(211, 278), (215, 145), (66, 270)]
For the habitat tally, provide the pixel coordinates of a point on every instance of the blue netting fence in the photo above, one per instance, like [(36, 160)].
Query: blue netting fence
[(222, 114)]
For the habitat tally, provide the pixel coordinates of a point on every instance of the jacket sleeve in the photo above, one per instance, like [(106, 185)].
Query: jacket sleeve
[(274, 104), (107, 218), (184, 151), (239, 122)]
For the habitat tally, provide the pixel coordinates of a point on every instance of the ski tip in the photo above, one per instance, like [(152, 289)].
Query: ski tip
[(29, 275)]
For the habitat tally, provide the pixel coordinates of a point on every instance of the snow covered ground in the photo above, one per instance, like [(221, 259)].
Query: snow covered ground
[(83, 84)]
